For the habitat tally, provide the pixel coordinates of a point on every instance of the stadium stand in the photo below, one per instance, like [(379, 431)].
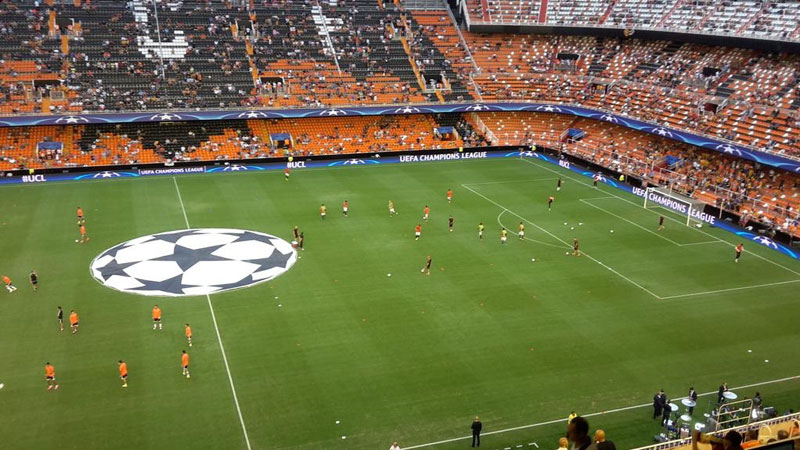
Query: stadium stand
[(111, 56), (764, 194), (749, 18), (745, 96), (111, 144)]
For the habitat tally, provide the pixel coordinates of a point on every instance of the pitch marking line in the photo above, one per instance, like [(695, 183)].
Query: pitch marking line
[(600, 413), (610, 269), (667, 216), (527, 238), (219, 337), (630, 222), (585, 200), (777, 283), (531, 180)]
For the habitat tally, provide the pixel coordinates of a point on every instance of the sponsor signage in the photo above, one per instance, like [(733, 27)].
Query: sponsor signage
[(442, 156), (171, 170), (33, 179), (675, 205), (193, 262)]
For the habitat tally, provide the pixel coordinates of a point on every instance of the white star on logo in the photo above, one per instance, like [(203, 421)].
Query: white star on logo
[(729, 149), (332, 112), (765, 241), (662, 132), (166, 117), (609, 118), (72, 119), (407, 110), (477, 108), (548, 108), (108, 174), (252, 115)]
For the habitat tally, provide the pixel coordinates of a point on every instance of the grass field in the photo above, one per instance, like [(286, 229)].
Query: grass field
[(408, 357)]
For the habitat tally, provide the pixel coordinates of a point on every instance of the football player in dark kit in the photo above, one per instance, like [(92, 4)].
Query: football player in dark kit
[(450, 223), (427, 269), (660, 223), (34, 280)]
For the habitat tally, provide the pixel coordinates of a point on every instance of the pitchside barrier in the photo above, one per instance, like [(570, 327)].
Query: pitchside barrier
[(767, 430), (602, 175)]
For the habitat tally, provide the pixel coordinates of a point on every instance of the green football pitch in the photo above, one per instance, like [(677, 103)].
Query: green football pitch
[(337, 354)]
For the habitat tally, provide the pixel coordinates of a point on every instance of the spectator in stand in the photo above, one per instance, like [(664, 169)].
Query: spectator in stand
[(578, 434), (794, 429), (602, 443)]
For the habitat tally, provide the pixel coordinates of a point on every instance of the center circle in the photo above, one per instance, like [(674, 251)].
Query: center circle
[(196, 261)]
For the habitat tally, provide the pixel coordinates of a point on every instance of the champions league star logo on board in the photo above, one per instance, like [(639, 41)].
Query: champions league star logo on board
[(729, 149), (763, 240), (406, 110), (354, 161), (548, 108), (193, 262), (662, 132), (609, 118), (235, 168), (106, 174), (252, 115), (331, 112), (477, 107), (166, 117), (72, 119)]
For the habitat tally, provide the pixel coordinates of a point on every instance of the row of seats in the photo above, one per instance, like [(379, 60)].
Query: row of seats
[(757, 94), (751, 18), (113, 144), (284, 53)]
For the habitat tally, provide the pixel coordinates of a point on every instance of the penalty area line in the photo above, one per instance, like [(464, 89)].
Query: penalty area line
[(598, 413), (529, 180), (717, 291), (666, 216), (219, 337), (561, 247), (610, 269)]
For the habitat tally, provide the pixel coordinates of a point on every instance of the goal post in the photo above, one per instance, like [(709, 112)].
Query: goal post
[(659, 197)]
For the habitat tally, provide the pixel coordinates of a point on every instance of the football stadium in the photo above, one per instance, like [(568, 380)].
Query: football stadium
[(406, 224)]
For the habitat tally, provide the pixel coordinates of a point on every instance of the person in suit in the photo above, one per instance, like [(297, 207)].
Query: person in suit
[(667, 413), (664, 401), (477, 426), (657, 405), (721, 392), (692, 397)]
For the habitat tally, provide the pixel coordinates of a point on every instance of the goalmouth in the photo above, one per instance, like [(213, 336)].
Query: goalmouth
[(658, 197)]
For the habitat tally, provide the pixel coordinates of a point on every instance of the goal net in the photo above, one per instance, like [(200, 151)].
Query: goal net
[(685, 206)]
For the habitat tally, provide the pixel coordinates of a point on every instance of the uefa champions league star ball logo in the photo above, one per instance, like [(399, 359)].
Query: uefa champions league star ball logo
[(193, 262)]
